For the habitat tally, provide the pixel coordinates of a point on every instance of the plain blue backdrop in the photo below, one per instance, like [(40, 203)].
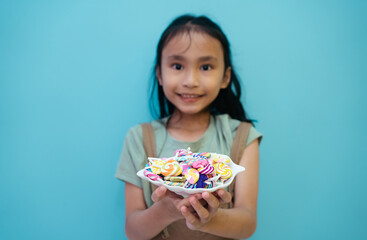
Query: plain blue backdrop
[(74, 77)]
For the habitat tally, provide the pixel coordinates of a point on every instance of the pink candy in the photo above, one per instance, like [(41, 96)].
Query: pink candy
[(185, 168), (208, 169), (182, 152), (199, 163), (192, 176), (151, 175)]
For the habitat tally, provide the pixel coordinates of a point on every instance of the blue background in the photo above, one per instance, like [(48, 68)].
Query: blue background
[(74, 77)]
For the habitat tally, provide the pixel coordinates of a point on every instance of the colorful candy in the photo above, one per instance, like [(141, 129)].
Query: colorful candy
[(199, 163), (209, 184), (178, 184), (171, 168), (192, 176), (208, 169), (190, 170), (201, 182), (203, 154), (221, 160), (175, 179), (156, 166), (185, 167), (151, 175), (182, 152), (223, 170)]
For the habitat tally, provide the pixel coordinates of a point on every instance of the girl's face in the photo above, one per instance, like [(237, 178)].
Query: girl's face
[(192, 72)]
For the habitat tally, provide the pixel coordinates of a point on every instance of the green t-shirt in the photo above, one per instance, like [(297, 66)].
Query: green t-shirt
[(217, 138)]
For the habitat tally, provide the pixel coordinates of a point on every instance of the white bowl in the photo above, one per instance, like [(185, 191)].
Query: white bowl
[(188, 191)]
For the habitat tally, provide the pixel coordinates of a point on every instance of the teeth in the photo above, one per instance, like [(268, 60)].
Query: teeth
[(189, 96)]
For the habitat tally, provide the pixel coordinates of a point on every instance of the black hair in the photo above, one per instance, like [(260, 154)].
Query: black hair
[(228, 99)]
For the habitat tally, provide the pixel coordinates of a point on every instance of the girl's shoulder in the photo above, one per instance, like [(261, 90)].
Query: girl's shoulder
[(228, 125), (136, 131)]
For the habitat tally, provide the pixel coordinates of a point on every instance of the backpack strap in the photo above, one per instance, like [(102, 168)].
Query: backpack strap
[(149, 140), (149, 144), (150, 151), (239, 145)]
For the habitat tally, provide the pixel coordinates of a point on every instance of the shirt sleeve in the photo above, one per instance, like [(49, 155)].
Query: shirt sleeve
[(252, 135), (132, 158)]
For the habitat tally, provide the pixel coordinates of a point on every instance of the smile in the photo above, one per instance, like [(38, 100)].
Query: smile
[(189, 95), (190, 98)]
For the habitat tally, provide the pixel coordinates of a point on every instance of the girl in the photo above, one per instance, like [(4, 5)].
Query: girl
[(199, 103)]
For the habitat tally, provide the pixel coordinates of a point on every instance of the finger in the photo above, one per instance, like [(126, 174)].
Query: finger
[(224, 196), (159, 193), (212, 201), (191, 221), (201, 211), (198, 196)]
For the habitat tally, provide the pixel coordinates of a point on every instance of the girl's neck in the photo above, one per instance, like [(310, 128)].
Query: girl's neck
[(188, 128)]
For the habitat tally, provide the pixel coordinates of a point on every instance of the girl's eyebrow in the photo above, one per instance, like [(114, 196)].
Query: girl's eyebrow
[(208, 58), (201, 59), (176, 57)]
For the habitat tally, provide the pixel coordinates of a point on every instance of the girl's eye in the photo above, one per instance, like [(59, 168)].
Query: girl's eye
[(206, 67), (177, 66)]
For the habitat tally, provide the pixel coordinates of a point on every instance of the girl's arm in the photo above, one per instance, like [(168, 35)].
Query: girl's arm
[(146, 223), (240, 221)]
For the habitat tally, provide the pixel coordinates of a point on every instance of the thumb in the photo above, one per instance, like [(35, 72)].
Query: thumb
[(159, 194)]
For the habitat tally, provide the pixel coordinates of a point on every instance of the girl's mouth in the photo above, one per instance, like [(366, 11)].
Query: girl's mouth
[(190, 98)]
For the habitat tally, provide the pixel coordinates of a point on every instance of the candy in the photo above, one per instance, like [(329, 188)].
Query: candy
[(175, 179), (156, 166), (192, 176), (171, 168), (151, 175), (224, 170), (182, 152), (190, 186), (178, 184), (185, 168), (219, 182), (199, 163), (203, 154), (190, 170), (208, 169), (182, 159), (209, 184), (201, 182), (190, 161), (221, 160)]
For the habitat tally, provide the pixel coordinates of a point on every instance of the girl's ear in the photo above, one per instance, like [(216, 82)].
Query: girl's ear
[(158, 75), (226, 78)]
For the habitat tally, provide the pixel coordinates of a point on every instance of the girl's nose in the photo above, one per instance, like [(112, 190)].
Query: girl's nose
[(191, 79)]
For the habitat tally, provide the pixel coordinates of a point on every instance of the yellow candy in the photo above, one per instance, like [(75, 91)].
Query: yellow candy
[(224, 170), (156, 166), (221, 160), (192, 176)]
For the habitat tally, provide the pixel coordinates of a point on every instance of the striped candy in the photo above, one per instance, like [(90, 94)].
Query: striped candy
[(224, 170), (178, 184), (156, 166), (151, 175), (171, 168), (203, 154), (208, 169)]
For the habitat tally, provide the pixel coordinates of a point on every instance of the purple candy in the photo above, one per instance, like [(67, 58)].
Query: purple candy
[(200, 183)]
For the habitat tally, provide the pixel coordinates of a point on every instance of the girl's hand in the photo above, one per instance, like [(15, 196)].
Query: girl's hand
[(170, 201), (204, 210)]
